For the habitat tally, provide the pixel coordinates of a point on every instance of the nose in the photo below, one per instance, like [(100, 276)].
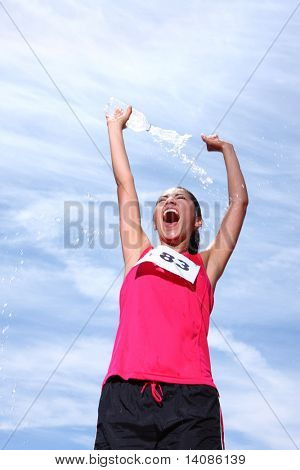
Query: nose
[(170, 198)]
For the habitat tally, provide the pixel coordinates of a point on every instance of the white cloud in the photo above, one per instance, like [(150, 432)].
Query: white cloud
[(71, 396)]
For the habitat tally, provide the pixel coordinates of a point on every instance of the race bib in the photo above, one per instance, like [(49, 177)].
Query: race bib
[(172, 261)]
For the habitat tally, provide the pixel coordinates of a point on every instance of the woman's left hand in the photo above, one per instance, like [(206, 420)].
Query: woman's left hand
[(214, 143)]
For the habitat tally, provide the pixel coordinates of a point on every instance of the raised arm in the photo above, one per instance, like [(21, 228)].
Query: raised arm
[(133, 238), (221, 248)]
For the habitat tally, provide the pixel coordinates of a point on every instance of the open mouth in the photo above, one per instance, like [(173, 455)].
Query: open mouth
[(171, 217)]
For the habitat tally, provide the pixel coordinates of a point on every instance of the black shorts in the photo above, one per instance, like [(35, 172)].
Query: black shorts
[(143, 414)]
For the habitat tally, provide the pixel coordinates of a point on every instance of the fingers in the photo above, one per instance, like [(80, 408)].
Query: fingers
[(129, 110), (212, 141), (211, 136), (118, 112), (121, 112)]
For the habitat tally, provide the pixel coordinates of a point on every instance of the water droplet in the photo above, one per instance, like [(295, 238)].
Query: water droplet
[(173, 143)]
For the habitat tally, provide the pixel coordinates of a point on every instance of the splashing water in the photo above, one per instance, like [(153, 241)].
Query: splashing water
[(169, 140), (173, 143)]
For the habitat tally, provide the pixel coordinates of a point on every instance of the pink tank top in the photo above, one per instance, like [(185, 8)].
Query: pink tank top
[(163, 326)]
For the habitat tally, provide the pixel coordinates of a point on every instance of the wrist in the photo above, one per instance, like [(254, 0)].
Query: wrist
[(114, 127), (226, 146)]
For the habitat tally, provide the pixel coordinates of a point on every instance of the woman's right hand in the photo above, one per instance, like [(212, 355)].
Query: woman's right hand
[(119, 118)]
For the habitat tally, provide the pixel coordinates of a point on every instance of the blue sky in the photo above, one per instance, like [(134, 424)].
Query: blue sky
[(182, 65)]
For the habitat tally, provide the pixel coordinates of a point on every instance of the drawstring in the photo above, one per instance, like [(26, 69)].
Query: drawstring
[(157, 397)]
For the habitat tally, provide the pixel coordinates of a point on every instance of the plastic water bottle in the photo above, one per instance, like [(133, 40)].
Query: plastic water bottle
[(137, 121)]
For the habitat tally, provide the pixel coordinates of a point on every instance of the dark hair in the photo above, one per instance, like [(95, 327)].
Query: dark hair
[(195, 237)]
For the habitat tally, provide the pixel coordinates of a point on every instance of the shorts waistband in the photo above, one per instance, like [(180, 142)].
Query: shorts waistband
[(156, 386)]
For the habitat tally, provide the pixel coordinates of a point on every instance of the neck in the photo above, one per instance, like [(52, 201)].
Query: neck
[(180, 248)]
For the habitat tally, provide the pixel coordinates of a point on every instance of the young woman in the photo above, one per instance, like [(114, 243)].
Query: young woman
[(159, 392)]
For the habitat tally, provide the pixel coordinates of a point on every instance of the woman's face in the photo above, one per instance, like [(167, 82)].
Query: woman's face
[(174, 217)]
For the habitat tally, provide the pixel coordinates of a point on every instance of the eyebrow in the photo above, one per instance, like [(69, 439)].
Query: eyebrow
[(176, 194)]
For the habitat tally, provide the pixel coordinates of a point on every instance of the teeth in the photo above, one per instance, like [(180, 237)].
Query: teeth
[(171, 210)]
